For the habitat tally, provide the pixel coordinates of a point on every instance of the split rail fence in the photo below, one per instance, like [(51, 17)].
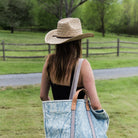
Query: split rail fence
[(88, 48)]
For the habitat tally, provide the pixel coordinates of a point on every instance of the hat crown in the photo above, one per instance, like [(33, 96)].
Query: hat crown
[(69, 27)]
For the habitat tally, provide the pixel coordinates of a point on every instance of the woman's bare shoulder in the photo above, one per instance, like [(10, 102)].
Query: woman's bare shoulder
[(85, 65), (86, 71), (85, 62)]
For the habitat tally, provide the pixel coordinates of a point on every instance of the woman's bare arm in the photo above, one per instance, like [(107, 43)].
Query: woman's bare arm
[(89, 84), (45, 84)]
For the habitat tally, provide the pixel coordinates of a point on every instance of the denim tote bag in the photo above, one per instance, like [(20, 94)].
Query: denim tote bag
[(74, 118)]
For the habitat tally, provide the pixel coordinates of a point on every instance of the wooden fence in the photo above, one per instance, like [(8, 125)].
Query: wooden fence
[(86, 46)]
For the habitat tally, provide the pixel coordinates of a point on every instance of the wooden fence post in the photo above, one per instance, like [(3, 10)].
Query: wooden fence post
[(3, 49), (118, 45), (49, 48), (87, 48)]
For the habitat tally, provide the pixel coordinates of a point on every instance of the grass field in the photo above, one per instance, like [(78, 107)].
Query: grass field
[(21, 109), (97, 62), (36, 37), (30, 37), (35, 65)]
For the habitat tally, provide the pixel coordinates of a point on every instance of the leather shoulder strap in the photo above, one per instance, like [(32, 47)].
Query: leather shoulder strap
[(75, 78)]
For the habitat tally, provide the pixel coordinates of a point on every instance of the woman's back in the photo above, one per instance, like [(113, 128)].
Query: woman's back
[(67, 80), (61, 89)]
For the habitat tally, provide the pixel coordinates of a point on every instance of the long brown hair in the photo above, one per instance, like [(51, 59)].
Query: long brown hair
[(64, 59)]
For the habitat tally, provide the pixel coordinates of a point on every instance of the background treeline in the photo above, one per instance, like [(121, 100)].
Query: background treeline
[(116, 16)]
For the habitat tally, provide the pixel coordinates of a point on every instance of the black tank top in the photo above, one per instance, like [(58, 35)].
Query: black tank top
[(61, 92)]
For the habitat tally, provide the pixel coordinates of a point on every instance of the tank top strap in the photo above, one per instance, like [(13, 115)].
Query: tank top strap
[(72, 74)]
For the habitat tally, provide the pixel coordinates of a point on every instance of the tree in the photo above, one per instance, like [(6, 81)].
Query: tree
[(128, 23), (15, 13), (46, 20), (126, 18), (61, 8), (98, 13), (103, 8), (135, 16)]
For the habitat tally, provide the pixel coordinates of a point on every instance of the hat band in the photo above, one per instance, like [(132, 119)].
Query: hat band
[(61, 37)]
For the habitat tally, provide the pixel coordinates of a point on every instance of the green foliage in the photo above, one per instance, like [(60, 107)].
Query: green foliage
[(51, 6), (126, 18), (117, 16), (61, 8), (15, 13), (47, 20), (34, 11), (94, 11), (120, 16)]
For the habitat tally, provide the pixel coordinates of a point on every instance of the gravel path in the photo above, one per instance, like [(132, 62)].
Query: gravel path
[(35, 78)]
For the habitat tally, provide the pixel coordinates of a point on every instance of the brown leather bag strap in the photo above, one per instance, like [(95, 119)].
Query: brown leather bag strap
[(75, 97)]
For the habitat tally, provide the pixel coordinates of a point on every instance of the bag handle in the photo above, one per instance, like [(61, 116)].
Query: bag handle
[(75, 97), (73, 110), (75, 78)]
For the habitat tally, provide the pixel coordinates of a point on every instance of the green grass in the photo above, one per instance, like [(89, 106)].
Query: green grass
[(97, 62), (21, 109), (119, 98), (16, 67), (21, 37), (11, 66), (103, 62), (36, 37)]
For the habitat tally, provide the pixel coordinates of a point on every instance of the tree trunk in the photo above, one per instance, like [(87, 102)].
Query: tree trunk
[(12, 29), (70, 8), (60, 9), (66, 8), (102, 27)]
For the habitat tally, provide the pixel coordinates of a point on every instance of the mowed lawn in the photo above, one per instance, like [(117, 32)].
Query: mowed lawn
[(21, 113), (97, 62), (12, 66)]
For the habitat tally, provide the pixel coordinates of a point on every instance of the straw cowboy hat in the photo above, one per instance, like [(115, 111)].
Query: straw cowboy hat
[(68, 29)]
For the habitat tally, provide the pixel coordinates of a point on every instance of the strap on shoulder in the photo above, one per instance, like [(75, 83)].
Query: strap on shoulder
[(75, 78)]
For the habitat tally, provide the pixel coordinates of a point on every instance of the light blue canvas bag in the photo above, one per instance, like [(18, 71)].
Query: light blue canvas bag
[(74, 118)]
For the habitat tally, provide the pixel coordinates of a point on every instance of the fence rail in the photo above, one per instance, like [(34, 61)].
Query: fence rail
[(87, 46)]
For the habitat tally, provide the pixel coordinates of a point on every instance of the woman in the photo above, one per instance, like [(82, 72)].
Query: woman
[(58, 69)]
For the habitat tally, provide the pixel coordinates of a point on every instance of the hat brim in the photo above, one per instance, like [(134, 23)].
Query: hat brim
[(50, 37)]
